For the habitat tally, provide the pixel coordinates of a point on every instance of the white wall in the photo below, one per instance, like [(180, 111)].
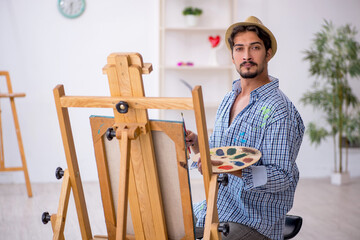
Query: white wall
[(40, 48), (294, 23)]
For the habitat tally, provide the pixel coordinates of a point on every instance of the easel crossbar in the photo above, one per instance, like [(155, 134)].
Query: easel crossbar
[(10, 169), (134, 102), (12, 95)]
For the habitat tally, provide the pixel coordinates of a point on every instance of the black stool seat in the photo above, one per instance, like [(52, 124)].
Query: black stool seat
[(292, 226)]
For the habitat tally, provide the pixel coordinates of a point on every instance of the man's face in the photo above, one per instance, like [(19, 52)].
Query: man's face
[(249, 54)]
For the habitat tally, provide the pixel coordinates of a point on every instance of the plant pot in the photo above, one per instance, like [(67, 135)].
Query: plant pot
[(345, 142), (191, 20), (340, 178), (213, 57), (219, 56)]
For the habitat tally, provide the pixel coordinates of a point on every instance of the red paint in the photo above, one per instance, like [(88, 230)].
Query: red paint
[(227, 167)]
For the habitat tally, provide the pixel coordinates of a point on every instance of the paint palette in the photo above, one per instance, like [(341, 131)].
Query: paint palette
[(233, 157)]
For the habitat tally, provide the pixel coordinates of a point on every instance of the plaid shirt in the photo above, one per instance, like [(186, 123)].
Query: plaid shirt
[(271, 124)]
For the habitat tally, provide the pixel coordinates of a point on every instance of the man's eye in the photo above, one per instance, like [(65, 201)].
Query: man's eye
[(256, 47), (238, 49)]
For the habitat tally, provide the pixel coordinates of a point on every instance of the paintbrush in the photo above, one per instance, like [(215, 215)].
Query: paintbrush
[(182, 115), (186, 84)]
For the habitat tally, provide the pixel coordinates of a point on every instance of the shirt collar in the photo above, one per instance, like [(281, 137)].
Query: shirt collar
[(260, 91)]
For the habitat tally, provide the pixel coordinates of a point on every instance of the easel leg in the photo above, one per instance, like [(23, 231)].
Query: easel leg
[(211, 220), (73, 167), (123, 187), (2, 157), (53, 224), (59, 223), (21, 148)]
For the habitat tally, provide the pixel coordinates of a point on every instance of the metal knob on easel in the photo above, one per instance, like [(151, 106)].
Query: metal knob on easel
[(110, 133), (224, 228), (223, 179), (122, 107), (59, 173), (45, 218)]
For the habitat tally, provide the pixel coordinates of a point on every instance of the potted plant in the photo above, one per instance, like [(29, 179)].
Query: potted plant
[(334, 58), (192, 15)]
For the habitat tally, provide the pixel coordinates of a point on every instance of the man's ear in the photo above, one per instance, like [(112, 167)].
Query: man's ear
[(268, 54)]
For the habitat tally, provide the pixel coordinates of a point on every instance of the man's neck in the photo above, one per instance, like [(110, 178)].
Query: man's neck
[(250, 84)]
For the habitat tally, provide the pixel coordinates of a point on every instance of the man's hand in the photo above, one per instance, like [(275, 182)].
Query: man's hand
[(218, 163), (191, 140), (213, 163)]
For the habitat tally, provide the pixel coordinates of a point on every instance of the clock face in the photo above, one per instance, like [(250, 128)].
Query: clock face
[(71, 8)]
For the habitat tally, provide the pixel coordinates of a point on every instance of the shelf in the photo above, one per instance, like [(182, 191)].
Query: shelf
[(193, 29), (182, 43), (194, 68)]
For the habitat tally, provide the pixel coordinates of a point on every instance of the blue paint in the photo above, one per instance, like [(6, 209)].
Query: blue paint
[(240, 139), (194, 165), (100, 128), (220, 152), (237, 163)]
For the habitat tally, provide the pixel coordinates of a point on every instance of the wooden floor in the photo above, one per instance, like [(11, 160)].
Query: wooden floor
[(329, 212)]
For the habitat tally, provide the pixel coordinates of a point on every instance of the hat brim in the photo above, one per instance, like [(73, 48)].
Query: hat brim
[(272, 38)]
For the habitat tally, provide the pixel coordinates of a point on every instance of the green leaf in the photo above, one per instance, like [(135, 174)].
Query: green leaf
[(192, 11), (333, 57), (316, 134)]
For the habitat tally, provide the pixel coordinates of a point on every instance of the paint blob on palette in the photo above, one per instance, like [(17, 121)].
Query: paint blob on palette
[(233, 158)]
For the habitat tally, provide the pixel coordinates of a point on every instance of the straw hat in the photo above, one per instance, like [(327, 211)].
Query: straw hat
[(253, 21)]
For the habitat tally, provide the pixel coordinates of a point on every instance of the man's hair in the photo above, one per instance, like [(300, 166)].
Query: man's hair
[(264, 36)]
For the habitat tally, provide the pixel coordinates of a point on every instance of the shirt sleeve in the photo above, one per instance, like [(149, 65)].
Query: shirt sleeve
[(280, 146)]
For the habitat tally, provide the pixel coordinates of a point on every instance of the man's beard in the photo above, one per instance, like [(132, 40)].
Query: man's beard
[(248, 74)]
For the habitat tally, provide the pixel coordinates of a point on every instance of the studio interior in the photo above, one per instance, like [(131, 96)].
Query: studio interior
[(100, 101)]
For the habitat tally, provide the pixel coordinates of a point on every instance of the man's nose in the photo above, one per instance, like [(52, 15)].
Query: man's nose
[(247, 55)]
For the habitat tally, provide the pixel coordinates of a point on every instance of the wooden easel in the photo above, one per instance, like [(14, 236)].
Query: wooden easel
[(23, 168), (139, 182), (173, 174)]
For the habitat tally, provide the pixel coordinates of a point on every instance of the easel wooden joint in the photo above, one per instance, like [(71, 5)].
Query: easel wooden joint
[(138, 176), (133, 129), (23, 168)]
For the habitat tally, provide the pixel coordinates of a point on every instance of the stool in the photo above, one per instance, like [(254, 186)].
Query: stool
[(292, 226)]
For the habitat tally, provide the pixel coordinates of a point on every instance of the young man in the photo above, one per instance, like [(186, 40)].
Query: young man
[(255, 114)]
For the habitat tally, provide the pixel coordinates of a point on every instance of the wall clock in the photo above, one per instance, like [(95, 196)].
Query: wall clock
[(71, 8)]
